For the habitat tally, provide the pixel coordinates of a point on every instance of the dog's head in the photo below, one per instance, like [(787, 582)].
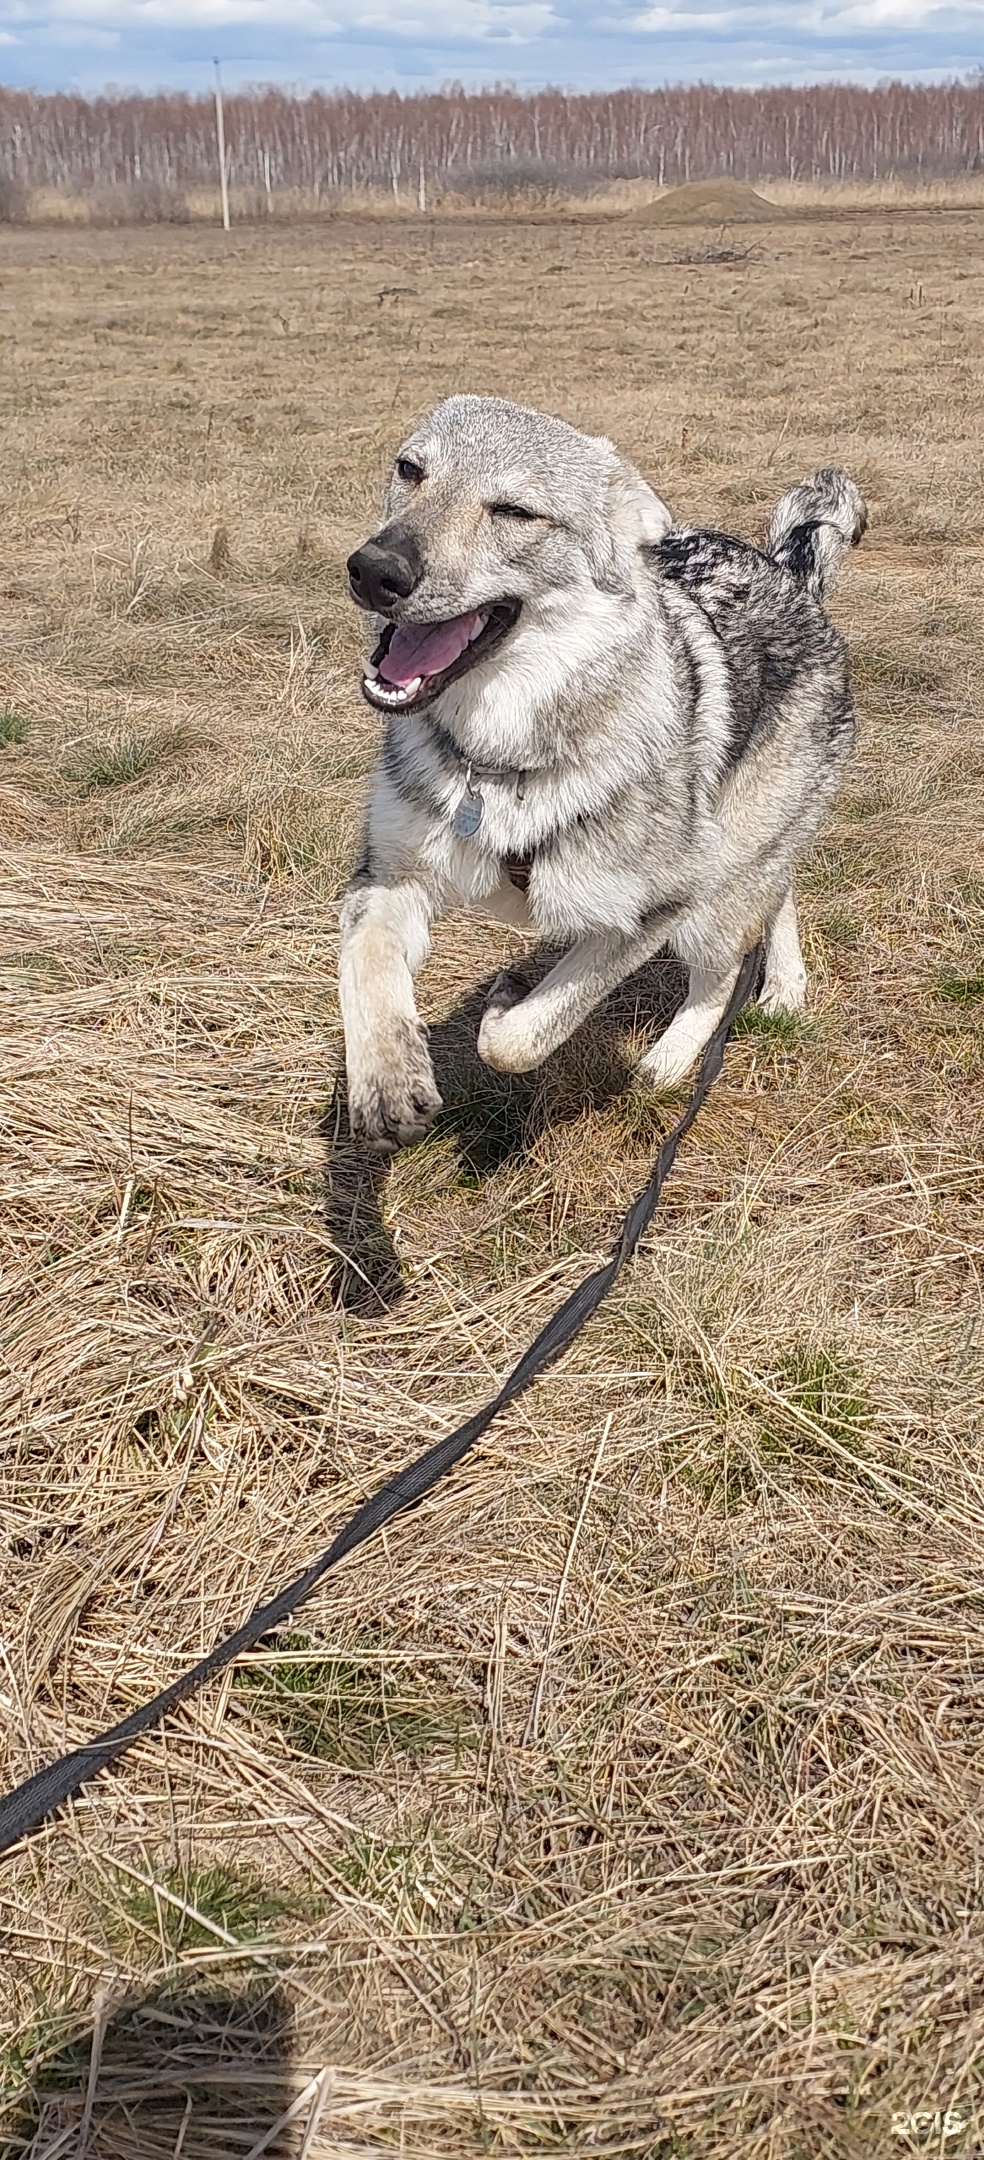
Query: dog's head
[(492, 512)]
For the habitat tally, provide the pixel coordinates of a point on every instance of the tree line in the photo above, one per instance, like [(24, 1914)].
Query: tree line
[(343, 141)]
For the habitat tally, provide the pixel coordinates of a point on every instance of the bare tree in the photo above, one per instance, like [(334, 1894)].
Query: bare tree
[(415, 145)]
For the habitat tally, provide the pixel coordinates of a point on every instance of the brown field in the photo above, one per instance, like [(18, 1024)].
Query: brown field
[(627, 1799)]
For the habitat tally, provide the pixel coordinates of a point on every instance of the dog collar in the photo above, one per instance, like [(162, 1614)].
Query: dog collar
[(470, 809), (449, 748), (470, 812)]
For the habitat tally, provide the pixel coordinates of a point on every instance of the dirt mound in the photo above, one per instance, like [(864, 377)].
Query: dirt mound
[(710, 202)]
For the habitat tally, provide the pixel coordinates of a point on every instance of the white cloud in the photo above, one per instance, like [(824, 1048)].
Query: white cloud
[(472, 21), (891, 15), (815, 20), (404, 44)]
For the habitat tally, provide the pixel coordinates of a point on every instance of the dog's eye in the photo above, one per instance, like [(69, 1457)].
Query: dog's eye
[(514, 510), (408, 470)]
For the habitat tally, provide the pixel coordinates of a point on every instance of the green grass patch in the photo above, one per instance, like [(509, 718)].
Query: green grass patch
[(815, 1428), (876, 667), (835, 868), (13, 726), (858, 1115), (42, 970), (783, 1028), (230, 1897), (840, 929), (295, 833), (347, 1711), (39, 2045), (960, 989), (642, 1116), (127, 956), (115, 760), (971, 891), (831, 1414), (386, 1872)]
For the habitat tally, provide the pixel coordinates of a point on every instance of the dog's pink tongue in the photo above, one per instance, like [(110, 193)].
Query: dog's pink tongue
[(428, 648)]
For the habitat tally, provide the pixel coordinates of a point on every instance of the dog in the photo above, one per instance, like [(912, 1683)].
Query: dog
[(601, 726)]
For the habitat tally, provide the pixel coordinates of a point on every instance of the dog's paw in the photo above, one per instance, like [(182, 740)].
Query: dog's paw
[(501, 1043), (783, 993), (668, 1062), (396, 1102)]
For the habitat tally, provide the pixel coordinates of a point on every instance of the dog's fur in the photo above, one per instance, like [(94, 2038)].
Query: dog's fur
[(656, 722)]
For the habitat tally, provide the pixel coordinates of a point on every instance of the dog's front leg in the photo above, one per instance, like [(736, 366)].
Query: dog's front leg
[(518, 1032), (385, 938)]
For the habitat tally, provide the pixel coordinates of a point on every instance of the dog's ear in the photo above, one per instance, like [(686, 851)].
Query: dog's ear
[(632, 517), (637, 515)]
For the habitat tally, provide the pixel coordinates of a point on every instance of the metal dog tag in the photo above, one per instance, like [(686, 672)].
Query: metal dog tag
[(469, 814)]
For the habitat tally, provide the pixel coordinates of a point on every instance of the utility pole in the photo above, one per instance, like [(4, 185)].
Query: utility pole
[(220, 132)]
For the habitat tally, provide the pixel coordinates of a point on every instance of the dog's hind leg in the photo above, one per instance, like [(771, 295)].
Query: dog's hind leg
[(690, 1030), (385, 938), (784, 986)]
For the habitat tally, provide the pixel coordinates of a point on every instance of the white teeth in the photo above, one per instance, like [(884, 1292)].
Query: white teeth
[(395, 694)]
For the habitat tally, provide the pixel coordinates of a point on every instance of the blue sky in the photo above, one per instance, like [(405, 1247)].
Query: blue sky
[(586, 44)]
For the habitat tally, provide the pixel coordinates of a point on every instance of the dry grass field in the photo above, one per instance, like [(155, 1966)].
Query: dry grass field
[(627, 1798)]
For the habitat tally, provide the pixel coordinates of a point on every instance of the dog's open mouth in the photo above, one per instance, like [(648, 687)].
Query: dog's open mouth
[(414, 662)]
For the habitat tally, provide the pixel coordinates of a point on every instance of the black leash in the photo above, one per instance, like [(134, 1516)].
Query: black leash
[(31, 1803)]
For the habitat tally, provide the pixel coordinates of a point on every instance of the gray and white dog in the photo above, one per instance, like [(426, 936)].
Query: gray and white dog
[(601, 726)]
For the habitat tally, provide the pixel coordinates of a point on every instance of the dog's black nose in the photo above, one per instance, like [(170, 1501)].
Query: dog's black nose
[(383, 572)]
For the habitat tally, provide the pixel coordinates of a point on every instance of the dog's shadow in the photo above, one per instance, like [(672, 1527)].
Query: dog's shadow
[(494, 1118), (198, 2066)]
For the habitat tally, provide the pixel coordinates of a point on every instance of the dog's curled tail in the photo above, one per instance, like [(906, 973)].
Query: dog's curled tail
[(812, 525)]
